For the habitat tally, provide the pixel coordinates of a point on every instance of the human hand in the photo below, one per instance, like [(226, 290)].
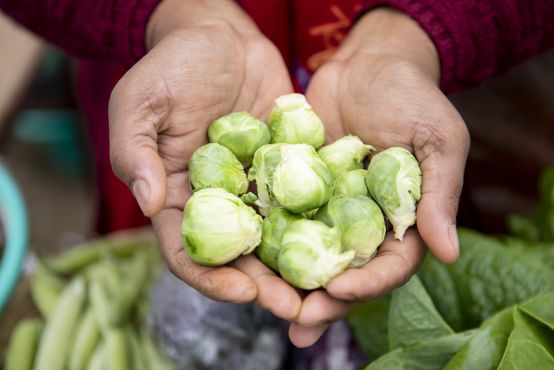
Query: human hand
[(382, 86), (206, 59)]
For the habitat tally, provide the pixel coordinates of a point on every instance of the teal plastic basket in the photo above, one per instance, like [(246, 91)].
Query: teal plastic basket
[(13, 217)]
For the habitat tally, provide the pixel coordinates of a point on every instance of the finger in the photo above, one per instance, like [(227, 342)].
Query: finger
[(392, 267), (133, 146), (220, 283), (274, 294), (442, 158), (303, 337), (320, 308), (322, 96)]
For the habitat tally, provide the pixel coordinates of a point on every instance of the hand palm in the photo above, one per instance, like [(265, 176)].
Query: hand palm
[(386, 103), (167, 102)]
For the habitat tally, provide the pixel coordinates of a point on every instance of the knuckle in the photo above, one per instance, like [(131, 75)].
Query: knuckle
[(429, 140), (117, 160), (175, 271)]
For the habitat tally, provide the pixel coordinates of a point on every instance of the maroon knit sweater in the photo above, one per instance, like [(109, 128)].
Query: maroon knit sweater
[(475, 39)]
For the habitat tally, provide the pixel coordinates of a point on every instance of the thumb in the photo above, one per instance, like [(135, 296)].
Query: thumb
[(134, 152), (442, 157)]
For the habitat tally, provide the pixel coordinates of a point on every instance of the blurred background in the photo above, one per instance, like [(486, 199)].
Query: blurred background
[(44, 145)]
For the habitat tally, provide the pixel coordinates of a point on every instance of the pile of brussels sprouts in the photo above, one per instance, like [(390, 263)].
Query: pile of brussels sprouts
[(322, 211)]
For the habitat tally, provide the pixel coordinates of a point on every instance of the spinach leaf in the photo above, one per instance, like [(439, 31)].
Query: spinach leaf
[(541, 308), (530, 345), (485, 349), (522, 227), (370, 323), (412, 316), (544, 218), (489, 276), (540, 251), (439, 284), (427, 355)]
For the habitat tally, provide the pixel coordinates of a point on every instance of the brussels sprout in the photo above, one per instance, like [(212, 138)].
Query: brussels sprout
[(273, 228), (215, 166), (240, 132), (351, 183), (265, 161), (360, 221), (294, 121), (301, 182), (218, 227), (394, 181), (312, 254), (249, 198), (345, 154)]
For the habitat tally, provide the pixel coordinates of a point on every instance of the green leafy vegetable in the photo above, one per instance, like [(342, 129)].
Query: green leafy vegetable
[(541, 308), (294, 121), (360, 221), (351, 183), (523, 228), (370, 323), (241, 133), (530, 346), (426, 355), (263, 167), (312, 254), (218, 227), (345, 154), (214, 166), (301, 182), (485, 349), (544, 218), (488, 277), (394, 181), (273, 229), (413, 317), (441, 288)]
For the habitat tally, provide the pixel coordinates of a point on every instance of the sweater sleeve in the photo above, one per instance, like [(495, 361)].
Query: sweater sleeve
[(478, 39), (87, 28)]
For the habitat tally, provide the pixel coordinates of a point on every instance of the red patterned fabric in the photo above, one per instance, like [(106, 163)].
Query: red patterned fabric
[(107, 29), (478, 39), (475, 39)]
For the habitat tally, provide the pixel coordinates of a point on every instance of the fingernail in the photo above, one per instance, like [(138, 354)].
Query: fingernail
[(453, 236), (141, 191)]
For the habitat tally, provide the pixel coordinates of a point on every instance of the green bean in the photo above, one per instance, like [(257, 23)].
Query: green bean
[(86, 338), (79, 257), (46, 287), (135, 350), (100, 304), (131, 289), (98, 359), (154, 359), (23, 344), (117, 353), (55, 340)]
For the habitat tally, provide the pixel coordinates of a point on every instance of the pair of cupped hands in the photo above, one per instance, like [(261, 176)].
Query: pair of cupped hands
[(207, 58)]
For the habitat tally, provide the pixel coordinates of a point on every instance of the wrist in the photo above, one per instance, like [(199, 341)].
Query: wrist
[(386, 32), (175, 15)]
